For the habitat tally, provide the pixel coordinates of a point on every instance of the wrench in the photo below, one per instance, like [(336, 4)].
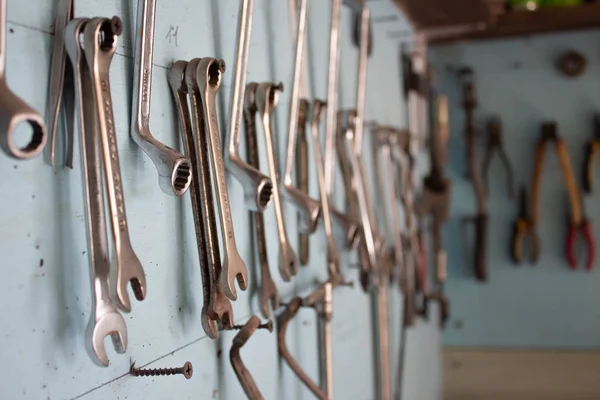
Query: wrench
[(173, 168), (268, 290), (266, 99), (66, 11), (207, 81), (242, 373), (105, 319), (100, 37), (258, 188), (216, 306), (14, 111), (302, 177)]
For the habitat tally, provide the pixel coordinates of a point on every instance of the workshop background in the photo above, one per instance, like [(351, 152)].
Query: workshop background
[(47, 292)]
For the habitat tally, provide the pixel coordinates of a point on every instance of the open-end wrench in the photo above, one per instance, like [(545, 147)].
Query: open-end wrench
[(14, 111), (173, 168), (66, 11), (216, 307), (302, 179), (308, 207), (258, 188), (266, 98), (105, 319), (207, 81), (100, 37), (268, 290)]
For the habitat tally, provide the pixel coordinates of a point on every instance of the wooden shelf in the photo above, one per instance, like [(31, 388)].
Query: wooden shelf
[(520, 23), (428, 14)]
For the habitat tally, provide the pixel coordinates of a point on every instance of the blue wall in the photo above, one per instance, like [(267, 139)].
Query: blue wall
[(42, 218), (546, 305)]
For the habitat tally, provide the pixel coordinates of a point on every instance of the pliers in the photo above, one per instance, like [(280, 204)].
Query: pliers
[(592, 149), (523, 229), (495, 144), (578, 222)]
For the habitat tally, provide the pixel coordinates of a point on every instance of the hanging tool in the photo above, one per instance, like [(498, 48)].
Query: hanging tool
[(258, 188), (524, 230), (578, 222), (592, 150), (495, 145), (480, 219)]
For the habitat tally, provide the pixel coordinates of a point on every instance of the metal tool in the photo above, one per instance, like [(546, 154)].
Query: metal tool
[(172, 167), (524, 230), (578, 222), (416, 86), (187, 371), (216, 308), (207, 81), (65, 13), (481, 218), (308, 208), (268, 290), (105, 319), (495, 144), (14, 111), (592, 150), (302, 177), (258, 188), (242, 373), (266, 98), (100, 37)]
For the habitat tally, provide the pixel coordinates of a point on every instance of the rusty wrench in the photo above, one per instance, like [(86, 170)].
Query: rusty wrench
[(172, 167), (14, 111)]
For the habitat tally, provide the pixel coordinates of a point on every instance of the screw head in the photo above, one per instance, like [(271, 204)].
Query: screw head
[(188, 370)]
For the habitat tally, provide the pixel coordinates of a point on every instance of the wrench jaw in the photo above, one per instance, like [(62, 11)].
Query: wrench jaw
[(106, 321), (258, 189), (131, 272), (309, 208), (268, 293), (14, 112)]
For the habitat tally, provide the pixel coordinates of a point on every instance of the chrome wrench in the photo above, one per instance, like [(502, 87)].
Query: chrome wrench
[(302, 177), (173, 168), (216, 307), (14, 111), (105, 319), (100, 37), (268, 290), (208, 80), (258, 188), (266, 98)]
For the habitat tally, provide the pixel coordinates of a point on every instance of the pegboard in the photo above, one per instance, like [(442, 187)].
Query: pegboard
[(43, 241)]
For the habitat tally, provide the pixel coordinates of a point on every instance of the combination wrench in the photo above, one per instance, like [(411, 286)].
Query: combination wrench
[(100, 36), (172, 167), (105, 319), (266, 98), (258, 188), (14, 111), (216, 306), (207, 81), (268, 290)]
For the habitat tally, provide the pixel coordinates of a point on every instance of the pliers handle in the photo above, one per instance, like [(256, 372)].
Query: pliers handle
[(523, 230), (592, 149), (586, 230)]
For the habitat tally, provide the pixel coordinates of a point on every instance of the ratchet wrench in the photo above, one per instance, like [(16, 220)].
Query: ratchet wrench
[(173, 168), (14, 111), (216, 306), (206, 83), (100, 37), (266, 98), (105, 319), (258, 188), (268, 290)]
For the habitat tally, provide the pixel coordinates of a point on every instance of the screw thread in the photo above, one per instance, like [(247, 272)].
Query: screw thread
[(156, 371)]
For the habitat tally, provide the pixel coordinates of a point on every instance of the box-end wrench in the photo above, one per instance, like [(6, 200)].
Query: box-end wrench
[(266, 98), (216, 306), (268, 290), (100, 37), (58, 71), (173, 168), (14, 111), (308, 207), (258, 188), (105, 319), (208, 78)]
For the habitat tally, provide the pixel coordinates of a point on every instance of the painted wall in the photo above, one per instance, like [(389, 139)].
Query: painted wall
[(46, 291), (545, 305)]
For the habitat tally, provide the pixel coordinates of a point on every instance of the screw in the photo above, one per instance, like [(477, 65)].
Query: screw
[(267, 325), (186, 371)]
